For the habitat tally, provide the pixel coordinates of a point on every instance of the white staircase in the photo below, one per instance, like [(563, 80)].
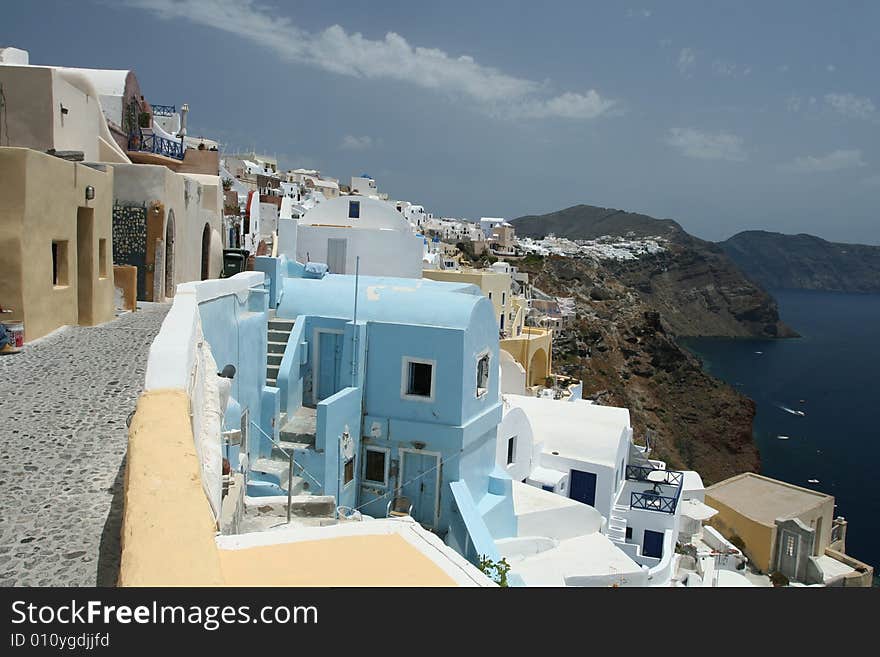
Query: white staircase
[(279, 469), (278, 334), (617, 524)]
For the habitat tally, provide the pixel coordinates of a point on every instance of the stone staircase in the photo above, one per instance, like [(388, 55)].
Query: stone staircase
[(279, 468), (278, 334), (616, 529)]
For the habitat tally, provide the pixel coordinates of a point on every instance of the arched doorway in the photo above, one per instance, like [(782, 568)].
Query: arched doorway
[(206, 252), (169, 255), (538, 368)]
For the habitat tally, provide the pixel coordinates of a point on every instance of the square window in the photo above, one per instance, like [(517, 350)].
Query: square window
[(349, 471), (354, 209), (374, 466), (511, 450), (483, 375), (59, 263), (419, 375)]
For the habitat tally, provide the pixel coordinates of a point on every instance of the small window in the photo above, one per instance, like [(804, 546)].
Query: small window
[(503, 298), (374, 466), (511, 450), (59, 263), (102, 258), (419, 379), (629, 533), (483, 375), (490, 296), (348, 472), (354, 209)]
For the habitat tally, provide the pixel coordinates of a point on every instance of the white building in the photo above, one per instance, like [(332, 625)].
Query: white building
[(339, 230), (364, 185)]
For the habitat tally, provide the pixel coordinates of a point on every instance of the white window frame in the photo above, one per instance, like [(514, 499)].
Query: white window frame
[(387, 452), (484, 354), (404, 378)]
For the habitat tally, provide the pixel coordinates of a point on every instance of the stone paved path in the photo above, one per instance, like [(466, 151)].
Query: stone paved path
[(63, 405)]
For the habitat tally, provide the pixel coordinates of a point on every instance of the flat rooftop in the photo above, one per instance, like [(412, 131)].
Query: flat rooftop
[(369, 553), (763, 499)]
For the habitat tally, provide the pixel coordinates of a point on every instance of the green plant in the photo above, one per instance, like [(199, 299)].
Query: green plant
[(227, 184), (778, 579), (494, 570), (738, 542)]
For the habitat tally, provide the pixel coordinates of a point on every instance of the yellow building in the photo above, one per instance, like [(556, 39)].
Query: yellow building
[(533, 350), (785, 528), (55, 237)]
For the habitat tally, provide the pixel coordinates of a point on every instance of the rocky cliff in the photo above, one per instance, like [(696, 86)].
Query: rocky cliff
[(698, 290), (625, 352), (805, 262)]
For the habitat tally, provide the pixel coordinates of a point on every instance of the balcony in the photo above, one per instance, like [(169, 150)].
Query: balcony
[(658, 497), (164, 110), (146, 142)]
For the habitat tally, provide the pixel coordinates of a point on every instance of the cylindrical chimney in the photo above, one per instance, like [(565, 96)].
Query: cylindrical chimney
[(183, 112)]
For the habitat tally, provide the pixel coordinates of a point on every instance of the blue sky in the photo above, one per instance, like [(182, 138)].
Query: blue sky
[(722, 115)]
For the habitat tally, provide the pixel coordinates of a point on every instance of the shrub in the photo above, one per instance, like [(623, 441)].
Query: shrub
[(778, 579)]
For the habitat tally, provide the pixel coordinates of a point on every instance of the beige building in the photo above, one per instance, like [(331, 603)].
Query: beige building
[(55, 237), (531, 347), (787, 529)]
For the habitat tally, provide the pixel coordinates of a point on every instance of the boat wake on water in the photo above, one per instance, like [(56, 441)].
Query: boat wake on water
[(791, 410)]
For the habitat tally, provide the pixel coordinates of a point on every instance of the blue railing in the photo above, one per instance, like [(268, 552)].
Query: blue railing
[(155, 144), (164, 110), (641, 472), (652, 502)]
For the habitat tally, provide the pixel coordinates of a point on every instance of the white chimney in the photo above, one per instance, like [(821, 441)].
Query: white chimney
[(183, 111), (14, 56)]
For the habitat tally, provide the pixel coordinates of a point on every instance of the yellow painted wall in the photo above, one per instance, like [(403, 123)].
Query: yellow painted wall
[(39, 202), (167, 528), (488, 281), (524, 348), (758, 537)]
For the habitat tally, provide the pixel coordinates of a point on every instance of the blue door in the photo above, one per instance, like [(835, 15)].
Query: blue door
[(419, 485), (329, 361), (582, 487), (652, 544)]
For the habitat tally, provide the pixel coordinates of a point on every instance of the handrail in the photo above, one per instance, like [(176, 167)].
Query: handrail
[(651, 502), (164, 110), (641, 472), (152, 143), (289, 467)]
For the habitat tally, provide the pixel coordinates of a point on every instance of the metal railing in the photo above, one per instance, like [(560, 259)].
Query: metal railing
[(150, 143), (649, 501), (291, 464), (641, 472), (164, 110)]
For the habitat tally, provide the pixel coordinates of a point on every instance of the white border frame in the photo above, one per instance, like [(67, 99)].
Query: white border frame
[(404, 379), (370, 482), (402, 479), (316, 357)]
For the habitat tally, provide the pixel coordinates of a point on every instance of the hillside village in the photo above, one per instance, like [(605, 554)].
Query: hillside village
[(342, 388)]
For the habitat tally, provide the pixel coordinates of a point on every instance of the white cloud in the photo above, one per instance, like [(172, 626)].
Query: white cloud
[(352, 54), (665, 43), (687, 61), (638, 13), (851, 106), (352, 143), (568, 105), (831, 68), (783, 68), (706, 145), (834, 161)]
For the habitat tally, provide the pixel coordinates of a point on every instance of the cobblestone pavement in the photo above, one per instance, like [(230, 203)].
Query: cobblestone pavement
[(63, 405)]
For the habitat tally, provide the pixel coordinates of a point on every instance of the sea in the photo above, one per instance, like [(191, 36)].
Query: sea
[(832, 375)]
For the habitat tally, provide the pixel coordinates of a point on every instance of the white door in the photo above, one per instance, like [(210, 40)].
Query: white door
[(336, 255)]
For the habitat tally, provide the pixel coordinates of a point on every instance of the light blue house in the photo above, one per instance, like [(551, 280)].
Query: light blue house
[(406, 395)]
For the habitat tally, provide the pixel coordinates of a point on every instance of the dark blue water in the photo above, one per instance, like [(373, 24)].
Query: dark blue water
[(835, 369)]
